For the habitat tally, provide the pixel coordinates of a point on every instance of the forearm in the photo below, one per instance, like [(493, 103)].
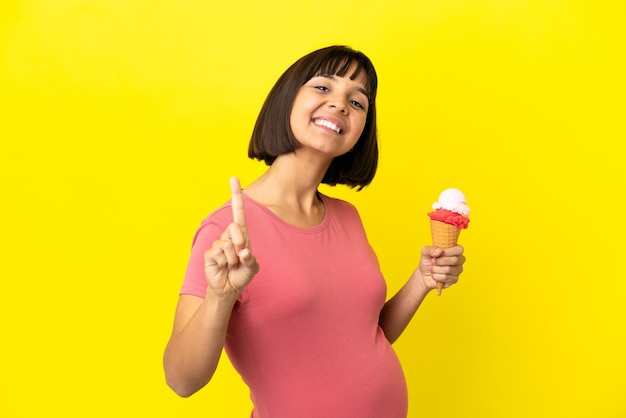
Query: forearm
[(400, 309), (193, 352)]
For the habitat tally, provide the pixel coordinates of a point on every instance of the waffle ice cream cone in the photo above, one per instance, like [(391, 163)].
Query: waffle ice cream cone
[(446, 221), (444, 235)]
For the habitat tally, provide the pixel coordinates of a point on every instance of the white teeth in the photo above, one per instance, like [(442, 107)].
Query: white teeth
[(327, 124)]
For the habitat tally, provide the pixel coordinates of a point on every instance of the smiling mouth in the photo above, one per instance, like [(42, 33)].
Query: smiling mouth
[(327, 124)]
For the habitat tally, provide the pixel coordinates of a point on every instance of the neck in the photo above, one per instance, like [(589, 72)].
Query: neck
[(289, 189)]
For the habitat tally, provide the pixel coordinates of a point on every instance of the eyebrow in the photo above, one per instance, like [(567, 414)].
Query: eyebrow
[(358, 88)]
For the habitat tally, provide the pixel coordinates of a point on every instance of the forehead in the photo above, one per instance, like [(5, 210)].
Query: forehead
[(345, 67)]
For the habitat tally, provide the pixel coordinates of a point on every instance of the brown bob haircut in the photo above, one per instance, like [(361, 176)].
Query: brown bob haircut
[(272, 135)]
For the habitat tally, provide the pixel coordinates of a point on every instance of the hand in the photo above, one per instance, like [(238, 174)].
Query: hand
[(438, 265), (229, 264)]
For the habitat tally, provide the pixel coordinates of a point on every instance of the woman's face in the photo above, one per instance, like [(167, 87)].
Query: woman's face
[(329, 113)]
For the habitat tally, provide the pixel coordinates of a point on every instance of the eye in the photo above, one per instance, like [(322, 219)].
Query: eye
[(357, 104), (322, 88)]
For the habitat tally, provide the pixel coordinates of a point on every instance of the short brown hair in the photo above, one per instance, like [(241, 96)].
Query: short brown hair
[(272, 138)]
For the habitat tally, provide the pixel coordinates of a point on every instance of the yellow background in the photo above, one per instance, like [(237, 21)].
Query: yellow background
[(122, 121)]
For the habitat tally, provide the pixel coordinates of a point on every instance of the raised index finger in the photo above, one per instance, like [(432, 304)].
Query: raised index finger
[(239, 216)]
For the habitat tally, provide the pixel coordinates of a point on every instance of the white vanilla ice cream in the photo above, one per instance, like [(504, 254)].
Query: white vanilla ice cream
[(452, 200)]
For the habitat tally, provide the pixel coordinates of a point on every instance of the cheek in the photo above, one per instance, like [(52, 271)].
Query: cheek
[(293, 113), (291, 121), (295, 121), (296, 111), (360, 126)]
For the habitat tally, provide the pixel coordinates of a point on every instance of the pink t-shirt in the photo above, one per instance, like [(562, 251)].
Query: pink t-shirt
[(304, 333)]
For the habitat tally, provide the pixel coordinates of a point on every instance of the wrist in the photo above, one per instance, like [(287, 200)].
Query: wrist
[(221, 300), (420, 289)]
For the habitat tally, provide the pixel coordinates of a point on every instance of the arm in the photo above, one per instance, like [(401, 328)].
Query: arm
[(200, 325), (435, 265), (194, 349)]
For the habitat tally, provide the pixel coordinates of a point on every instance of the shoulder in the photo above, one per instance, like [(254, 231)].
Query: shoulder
[(335, 202), (215, 223), (222, 214), (339, 207)]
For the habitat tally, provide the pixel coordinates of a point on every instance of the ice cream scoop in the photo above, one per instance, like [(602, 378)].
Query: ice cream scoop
[(452, 200), (450, 215)]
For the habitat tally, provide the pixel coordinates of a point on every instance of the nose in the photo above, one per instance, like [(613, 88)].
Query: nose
[(337, 103)]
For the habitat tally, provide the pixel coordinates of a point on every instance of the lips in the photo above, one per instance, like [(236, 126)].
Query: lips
[(330, 124)]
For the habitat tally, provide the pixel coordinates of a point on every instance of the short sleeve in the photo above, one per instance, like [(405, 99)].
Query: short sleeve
[(208, 232)]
